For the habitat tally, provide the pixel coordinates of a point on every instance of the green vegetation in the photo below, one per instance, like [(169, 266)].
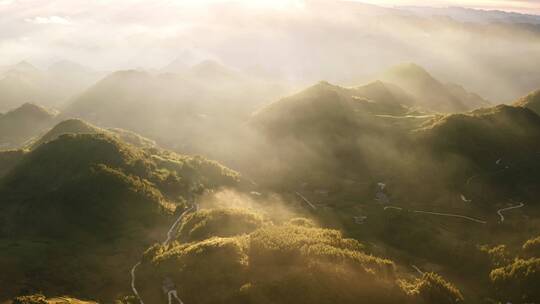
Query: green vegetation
[(531, 101), (518, 281), (532, 246), (432, 288), (82, 202), (507, 134), (41, 299), (77, 126), (8, 160), (87, 205), (341, 138), (325, 143), (291, 262), (218, 222)]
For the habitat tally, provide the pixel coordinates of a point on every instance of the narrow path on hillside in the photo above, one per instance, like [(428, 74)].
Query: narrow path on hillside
[(500, 211), (499, 164), (417, 270), (306, 201), (452, 215), (383, 185), (133, 279), (439, 214), (193, 208)]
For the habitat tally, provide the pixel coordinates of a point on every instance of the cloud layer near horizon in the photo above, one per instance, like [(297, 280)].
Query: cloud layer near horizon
[(298, 40), (521, 6)]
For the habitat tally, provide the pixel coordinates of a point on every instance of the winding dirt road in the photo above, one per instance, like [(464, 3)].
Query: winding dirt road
[(133, 278), (440, 214), (500, 211), (193, 208), (452, 215)]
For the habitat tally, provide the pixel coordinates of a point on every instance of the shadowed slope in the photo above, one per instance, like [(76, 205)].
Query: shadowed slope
[(82, 203)]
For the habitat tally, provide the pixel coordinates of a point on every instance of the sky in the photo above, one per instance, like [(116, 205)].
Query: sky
[(342, 41)]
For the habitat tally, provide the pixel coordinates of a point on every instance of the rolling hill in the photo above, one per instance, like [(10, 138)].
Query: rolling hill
[(497, 146), (193, 111), (75, 205), (331, 133), (323, 145), (327, 136), (272, 262)]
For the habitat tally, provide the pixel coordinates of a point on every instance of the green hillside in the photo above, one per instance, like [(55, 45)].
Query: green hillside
[(331, 137), (496, 147), (326, 135), (76, 205), (8, 160), (41, 299), (282, 264), (431, 167)]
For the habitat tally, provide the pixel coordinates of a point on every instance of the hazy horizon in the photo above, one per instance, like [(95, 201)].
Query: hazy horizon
[(271, 151), (281, 39)]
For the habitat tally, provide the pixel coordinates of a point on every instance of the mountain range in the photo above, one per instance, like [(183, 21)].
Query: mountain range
[(82, 202), (24, 83), (367, 180)]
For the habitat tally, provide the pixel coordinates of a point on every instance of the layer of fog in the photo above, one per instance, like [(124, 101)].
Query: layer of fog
[(295, 41)]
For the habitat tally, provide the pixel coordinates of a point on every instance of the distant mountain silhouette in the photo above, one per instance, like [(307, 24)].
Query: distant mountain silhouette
[(21, 124), (212, 71), (23, 83), (430, 93), (177, 66), (190, 111)]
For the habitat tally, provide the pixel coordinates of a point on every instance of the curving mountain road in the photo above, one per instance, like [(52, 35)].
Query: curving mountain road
[(440, 214), (193, 208), (133, 278), (500, 211), (452, 215), (175, 224)]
